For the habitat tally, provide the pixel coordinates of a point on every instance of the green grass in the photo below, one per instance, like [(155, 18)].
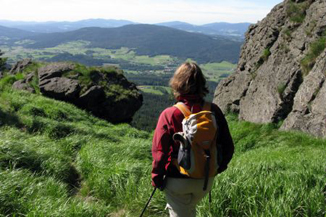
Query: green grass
[(58, 154), (281, 88), (57, 160), (287, 33), (272, 174), (263, 58), (316, 48), (297, 11)]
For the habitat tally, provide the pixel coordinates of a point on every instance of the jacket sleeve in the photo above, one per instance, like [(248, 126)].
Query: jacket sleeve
[(224, 140), (161, 148)]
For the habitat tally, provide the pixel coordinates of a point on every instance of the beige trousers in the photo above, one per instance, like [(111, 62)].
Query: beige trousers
[(182, 195)]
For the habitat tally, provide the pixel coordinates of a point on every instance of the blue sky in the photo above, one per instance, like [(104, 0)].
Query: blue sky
[(143, 11)]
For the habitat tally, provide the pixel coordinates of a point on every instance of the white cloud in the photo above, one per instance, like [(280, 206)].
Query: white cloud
[(146, 11)]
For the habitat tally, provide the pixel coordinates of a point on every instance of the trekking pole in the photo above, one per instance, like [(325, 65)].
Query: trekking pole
[(148, 202), (210, 199)]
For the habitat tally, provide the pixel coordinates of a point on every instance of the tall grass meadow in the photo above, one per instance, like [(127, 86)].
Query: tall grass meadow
[(57, 160)]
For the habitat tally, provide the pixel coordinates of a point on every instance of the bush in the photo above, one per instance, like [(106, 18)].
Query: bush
[(297, 11), (264, 57), (266, 54), (2, 61), (7, 81), (281, 88), (316, 48)]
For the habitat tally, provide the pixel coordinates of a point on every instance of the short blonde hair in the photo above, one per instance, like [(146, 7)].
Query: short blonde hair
[(188, 79)]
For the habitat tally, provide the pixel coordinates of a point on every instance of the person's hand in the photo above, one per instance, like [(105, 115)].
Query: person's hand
[(162, 186), (159, 182)]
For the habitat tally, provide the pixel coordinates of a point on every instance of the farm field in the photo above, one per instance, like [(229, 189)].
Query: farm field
[(18, 52), (124, 58)]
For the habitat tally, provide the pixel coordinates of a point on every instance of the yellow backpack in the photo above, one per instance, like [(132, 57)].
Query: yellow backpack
[(197, 157)]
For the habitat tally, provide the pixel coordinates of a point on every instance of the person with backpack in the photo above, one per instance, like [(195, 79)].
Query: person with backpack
[(191, 143)]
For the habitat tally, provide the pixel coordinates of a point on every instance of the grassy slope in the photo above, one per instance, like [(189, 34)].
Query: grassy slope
[(57, 160)]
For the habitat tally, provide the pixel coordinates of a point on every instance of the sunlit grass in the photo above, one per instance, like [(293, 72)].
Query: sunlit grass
[(57, 160)]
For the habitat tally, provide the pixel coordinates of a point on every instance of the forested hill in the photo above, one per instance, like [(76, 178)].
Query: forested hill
[(149, 40), (14, 33)]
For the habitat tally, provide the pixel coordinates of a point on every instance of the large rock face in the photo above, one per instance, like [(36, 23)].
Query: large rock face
[(104, 92), (281, 71), (309, 109)]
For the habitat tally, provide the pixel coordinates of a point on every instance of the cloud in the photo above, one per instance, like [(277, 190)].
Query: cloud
[(146, 11)]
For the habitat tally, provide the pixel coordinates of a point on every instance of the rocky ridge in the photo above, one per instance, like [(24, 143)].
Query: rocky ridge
[(104, 92), (282, 68)]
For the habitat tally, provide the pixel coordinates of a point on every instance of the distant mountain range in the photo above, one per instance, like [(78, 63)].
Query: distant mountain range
[(222, 28), (149, 40), (65, 26), (13, 33), (227, 29)]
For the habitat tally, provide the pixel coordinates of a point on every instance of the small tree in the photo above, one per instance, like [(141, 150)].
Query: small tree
[(2, 61)]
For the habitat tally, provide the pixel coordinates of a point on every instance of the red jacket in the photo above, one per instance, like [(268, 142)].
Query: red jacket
[(164, 148)]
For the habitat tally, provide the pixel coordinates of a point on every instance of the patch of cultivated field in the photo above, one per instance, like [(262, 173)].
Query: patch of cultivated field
[(217, 71), (17, 52)]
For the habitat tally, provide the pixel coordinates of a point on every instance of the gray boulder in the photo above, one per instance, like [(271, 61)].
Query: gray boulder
[(60, 88), (24, 84), (62, 82), (93, 95), (105, 93), (20, 66), (309, 109), (54, 70)]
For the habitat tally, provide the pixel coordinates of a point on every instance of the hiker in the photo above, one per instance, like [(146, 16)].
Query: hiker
[(183, 193)]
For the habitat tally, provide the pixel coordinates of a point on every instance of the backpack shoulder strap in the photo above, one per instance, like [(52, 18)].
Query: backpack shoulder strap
[(183, 108), (207, 106)]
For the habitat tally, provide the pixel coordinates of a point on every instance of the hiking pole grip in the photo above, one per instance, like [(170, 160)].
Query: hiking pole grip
[(149, 200)]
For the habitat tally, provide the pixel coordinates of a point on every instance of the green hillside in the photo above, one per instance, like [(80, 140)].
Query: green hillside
[(57, 160), (148, 40), (13, 33)]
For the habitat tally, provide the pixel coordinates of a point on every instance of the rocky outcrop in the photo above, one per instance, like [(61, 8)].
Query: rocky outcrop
[(54, 70), (309, 109), (104, 92), (52, 84), (278, 62), (25, 84), (20, 66), (60, 88)]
